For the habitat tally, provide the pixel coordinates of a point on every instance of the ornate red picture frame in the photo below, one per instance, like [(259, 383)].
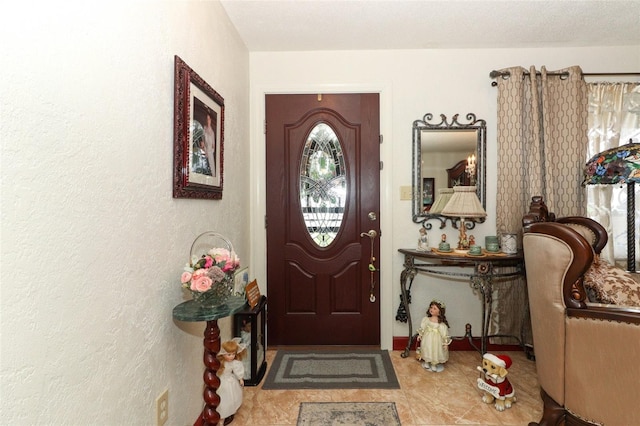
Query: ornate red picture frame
[(198, 136)]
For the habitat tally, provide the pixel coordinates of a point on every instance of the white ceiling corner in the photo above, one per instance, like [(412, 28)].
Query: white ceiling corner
[(303, 25)]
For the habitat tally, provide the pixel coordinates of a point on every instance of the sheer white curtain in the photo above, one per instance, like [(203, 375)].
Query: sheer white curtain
[(614, 118)]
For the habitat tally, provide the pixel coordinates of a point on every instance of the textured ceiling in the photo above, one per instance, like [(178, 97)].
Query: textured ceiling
[(294, 25)]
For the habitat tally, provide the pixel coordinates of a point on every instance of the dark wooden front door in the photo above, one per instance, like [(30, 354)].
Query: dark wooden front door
[(323, 179)]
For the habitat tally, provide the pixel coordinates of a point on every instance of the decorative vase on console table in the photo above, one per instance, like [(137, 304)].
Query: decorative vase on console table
[(509, 243)]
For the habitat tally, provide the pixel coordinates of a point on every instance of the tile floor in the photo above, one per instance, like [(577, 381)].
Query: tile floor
[(424, 398)]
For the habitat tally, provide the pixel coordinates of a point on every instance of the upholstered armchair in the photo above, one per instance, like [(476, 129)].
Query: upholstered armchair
[(603, 282), (587, 354)]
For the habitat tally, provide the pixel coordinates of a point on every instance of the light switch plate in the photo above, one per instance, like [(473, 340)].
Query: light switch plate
[(405, 193)]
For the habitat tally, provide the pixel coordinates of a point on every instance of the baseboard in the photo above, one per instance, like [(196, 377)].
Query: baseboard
[(458, 344)]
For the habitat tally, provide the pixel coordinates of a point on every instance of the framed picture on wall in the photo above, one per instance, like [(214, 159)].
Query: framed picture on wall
[(198, 136), (428, 193)]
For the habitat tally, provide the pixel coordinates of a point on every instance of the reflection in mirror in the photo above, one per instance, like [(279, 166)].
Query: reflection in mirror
[(446, 154)]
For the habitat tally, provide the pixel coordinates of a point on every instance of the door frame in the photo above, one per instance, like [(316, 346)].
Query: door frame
[(257, 200)]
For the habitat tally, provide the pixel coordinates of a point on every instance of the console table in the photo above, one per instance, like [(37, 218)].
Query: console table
[(480, 270), (192, 311)]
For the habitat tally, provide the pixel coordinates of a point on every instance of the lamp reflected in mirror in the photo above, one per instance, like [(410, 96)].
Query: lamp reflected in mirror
[(444, 195)]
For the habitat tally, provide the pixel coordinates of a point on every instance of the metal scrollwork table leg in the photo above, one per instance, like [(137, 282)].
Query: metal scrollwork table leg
[(481, 280), (408, 274)]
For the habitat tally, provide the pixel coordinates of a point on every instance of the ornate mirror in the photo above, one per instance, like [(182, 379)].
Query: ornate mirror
[(446, 154)]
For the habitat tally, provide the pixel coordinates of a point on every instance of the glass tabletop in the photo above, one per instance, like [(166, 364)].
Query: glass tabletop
[(193, 311)]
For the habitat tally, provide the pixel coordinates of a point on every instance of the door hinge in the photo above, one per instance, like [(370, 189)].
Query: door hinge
[(381, 165), (265, 221), (381, 139), (265, 127)]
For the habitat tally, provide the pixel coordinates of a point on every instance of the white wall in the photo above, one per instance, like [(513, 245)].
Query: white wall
[(412, 83), (93, 243)]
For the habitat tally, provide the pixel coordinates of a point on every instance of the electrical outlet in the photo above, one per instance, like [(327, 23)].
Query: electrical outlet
[(162, 408), (405, 193)]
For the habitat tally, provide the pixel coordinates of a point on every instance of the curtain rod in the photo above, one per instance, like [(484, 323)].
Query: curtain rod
[(496, 74)]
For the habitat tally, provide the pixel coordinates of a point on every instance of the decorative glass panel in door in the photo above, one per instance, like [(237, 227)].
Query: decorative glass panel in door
[(323, 186)]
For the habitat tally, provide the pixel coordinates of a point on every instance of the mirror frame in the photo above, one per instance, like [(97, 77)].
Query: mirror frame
[(425, 125)]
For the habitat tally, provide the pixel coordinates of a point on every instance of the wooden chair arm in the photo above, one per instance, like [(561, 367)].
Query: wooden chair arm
[(600, 233)]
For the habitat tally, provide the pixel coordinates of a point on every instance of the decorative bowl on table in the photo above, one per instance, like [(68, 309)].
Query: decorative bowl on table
[(493, 247), (444, 247)]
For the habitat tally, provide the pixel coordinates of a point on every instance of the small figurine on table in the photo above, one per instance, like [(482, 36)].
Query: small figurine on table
[(472, 240), (433, 337), (423, 241), (463, 241), (231, 374)]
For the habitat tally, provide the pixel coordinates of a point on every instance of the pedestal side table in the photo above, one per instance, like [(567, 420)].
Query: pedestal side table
[(192, 311)]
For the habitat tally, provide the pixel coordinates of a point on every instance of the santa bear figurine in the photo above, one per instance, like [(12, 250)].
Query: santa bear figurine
[(494, 382)]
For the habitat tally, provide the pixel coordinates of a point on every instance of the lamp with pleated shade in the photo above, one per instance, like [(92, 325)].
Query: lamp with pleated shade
[(464, 204)]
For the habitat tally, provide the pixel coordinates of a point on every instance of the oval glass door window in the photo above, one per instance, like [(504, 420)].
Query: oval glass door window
[(323, 185)]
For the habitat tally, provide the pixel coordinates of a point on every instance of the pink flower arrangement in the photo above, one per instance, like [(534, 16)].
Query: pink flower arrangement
[(214, 268)]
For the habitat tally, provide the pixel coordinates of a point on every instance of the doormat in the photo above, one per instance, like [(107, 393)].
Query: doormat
[(348, 413), (332, 370)]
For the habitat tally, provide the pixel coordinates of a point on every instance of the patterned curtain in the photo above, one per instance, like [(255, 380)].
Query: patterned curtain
[(614, 118), (542, 142)]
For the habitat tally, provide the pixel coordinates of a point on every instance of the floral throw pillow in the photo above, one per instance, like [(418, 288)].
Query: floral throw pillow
[(606, 283)]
